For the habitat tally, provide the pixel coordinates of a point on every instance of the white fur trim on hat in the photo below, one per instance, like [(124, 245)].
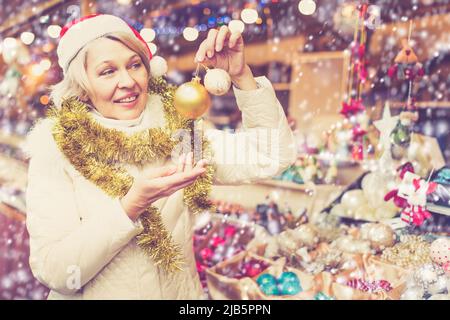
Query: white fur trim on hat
[(82, 32)]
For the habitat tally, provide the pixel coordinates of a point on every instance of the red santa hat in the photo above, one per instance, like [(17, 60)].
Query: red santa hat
[(78, 33)]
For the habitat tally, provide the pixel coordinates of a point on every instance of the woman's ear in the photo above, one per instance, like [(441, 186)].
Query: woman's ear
[(84, 97)]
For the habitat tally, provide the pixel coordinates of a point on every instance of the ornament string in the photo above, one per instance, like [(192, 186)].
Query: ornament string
[(408, 101), (362, 41), (196, 126), (352, 63)]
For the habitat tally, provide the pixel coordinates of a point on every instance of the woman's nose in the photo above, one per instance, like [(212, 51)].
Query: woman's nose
[(126, 80)]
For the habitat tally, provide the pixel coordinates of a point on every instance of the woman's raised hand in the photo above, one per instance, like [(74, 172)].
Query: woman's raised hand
[(225, 50), (156, 183)]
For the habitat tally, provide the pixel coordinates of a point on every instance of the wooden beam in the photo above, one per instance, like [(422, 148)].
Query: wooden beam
[(21, 18), (285, 51), (88, 7)]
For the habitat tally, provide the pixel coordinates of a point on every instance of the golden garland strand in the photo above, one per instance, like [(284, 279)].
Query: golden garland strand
[(98, 153)]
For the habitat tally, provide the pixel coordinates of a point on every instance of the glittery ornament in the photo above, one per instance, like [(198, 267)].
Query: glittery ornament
[(440, 251), (322, 296), (380, 235), (289, 284), (265, 279), (428, 275), (191, 99), (401, 135), (411, 251)]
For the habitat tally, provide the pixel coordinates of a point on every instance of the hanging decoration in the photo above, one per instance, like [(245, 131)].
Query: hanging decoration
[(406, 68), (415, 190), (354, 106)]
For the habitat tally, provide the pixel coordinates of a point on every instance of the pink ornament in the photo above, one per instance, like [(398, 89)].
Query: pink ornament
[(446, 267), (200, 267), (229, 231), (206, 253), (215, 241), (440, 251)]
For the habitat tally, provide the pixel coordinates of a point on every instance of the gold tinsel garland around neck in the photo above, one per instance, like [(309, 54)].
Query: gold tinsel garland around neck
[(99, 154)]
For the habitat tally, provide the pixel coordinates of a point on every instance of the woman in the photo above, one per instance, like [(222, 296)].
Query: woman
[(87, 230)]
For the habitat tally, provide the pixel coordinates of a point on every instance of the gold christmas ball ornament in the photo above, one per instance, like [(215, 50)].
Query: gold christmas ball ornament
[(380, 235), (191, 99), (217, 81)]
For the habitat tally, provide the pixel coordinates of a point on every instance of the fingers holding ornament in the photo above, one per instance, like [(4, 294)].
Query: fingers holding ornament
[(222, 35), (207, 47)]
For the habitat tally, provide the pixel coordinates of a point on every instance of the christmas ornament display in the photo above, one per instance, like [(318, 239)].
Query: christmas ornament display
[(440, 251), (367, 203), (428, 281)]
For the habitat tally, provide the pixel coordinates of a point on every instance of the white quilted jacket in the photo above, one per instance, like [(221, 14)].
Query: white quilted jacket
[(81, 240)]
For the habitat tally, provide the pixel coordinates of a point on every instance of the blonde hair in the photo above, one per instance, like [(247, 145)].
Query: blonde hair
[(76, 83)]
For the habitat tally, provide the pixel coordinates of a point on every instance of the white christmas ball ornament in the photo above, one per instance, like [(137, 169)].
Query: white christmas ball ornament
[(440, 251), (217, 81), (338, 210), (364, 212), (158, 66), (353, 199)]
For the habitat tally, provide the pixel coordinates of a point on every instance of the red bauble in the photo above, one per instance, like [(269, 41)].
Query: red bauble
[(206, 253), (229, 231), (215, 241)]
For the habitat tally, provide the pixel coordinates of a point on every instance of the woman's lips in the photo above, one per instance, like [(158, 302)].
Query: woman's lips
[(128, 104)]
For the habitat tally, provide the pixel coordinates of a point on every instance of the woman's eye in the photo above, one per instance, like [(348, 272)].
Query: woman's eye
[(136, 65), (106, 72)]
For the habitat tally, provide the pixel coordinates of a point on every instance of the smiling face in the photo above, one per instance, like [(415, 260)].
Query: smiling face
[(118, 79)]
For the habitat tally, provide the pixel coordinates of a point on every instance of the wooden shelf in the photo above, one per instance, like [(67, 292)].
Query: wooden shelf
[(286, 185), (11, 139), (423, 104), (282, 86)]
